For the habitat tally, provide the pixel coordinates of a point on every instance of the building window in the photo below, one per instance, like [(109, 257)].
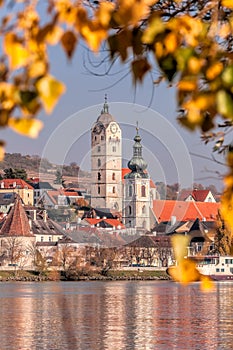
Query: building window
[(144, 209), (41, 238), (99, 162), (98, 149), (50, 239), (114, 148), (143, 191), (95, 138), (113, 176), (99, 176), (114, 189), (130, 191), (98, 189), (130, 210), (130, 223), (102, 137)]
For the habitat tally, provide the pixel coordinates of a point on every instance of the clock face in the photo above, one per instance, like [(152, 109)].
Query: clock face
[(113, 128)]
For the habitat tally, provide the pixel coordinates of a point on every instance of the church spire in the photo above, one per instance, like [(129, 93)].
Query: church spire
[(105, 107), (137, 164)]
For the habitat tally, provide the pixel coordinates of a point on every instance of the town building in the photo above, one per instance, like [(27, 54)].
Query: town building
[(19, 187)]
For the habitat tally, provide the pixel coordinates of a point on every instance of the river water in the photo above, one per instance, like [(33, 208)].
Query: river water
[(115, 316)]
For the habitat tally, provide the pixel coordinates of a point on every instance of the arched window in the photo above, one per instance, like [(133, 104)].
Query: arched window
[(144, 209), (130, 191), (143, 191), (114, 189), (130, 210), (99, 162), (98, 189), (113, 176), (102, 137), (99, 176)]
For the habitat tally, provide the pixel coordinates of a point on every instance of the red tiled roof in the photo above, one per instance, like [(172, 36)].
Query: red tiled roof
[(114, 223), (198, 195), (15, 183), (152, 184), (184, 211), (16, 222), (111, 222), (124, 171), (91, 221)]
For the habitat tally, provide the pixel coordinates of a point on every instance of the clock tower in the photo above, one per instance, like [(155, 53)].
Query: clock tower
[(106, 162)]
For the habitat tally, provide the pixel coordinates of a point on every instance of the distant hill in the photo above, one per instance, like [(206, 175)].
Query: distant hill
[(33, 164)]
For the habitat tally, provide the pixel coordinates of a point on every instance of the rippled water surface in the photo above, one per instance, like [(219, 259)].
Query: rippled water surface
[(115, 316)]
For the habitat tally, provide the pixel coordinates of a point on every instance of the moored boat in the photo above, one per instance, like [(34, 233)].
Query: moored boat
[(219, 268)]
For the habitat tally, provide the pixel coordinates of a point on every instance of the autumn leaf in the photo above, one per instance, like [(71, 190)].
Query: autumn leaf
[(69, 42), (28, 127), (2, 150), (49, 90), (140, 67), (185, 271), (104, 13), (94, 34), (18, 55), (227, 3)]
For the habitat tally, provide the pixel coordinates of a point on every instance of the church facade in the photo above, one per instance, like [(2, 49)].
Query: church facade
[(131, 196)]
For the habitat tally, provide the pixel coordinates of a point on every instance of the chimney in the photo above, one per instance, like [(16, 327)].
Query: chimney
[(2, 184), (34, 214), (173, 220)]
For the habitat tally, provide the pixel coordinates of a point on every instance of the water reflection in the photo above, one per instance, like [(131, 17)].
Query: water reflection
[(115, 315)]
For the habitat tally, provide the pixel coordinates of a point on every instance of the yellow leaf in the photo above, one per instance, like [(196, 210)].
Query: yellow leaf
[(54, 36), (7, 95), (94, 34), (17, 53), (227, 3), (187, 85), (185, 272), (49, 90), (28, 127), (66, 10), (171, 42), (131, 12), (195, 64), (37, 69), (155, 27), (104, 13), (214, 70), (180, 245)]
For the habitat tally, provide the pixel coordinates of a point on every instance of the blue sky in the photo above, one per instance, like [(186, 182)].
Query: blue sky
[(86, 92)]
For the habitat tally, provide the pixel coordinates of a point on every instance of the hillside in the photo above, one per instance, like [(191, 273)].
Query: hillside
[(34, 165)]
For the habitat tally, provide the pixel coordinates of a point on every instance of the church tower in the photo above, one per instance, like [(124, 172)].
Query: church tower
[(136, 203), (106, 162)]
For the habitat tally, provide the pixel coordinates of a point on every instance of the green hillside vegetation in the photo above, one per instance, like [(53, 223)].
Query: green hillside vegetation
[(34, 164)]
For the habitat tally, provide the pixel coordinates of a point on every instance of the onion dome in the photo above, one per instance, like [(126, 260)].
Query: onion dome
[(137, 164)]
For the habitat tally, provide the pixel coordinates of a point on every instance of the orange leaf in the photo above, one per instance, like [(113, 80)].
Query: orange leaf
[(28, 127), (69, 42), (17, 53)]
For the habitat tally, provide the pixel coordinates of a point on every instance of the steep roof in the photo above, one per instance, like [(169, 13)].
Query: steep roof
[(198, 195), (16, 222), (164, 210), (14, 183), (150, 241)]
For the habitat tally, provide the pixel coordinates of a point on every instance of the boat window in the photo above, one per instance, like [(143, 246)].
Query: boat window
[(222, 270), (217, 270), (228, 261)]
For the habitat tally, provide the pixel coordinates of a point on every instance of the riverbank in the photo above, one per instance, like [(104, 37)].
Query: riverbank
[(111, 275)]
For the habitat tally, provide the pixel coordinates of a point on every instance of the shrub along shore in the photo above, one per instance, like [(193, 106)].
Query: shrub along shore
[(110, 275)]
